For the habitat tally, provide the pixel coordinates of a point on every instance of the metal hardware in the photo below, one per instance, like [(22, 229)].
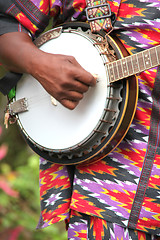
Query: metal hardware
[(51, 34), (18, 106)]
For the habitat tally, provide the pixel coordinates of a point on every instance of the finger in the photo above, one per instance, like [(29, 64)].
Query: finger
[(81, 74), (72, 96), (69, 104), (85, 78), (77, 86), (73, 61)]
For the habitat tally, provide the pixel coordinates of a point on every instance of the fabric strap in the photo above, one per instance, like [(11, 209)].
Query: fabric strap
[(99, 15), (153, 144)]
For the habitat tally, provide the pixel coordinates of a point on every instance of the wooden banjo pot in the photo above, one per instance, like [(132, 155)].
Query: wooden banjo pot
[(102, 118)]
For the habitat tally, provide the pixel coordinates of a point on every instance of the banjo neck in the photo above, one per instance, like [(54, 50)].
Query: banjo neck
[(133, 64)]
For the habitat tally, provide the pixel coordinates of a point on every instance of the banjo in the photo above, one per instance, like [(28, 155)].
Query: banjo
[(101, 120)]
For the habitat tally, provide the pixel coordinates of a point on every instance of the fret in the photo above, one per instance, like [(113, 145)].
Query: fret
[(158, 53), (158, 60), (147, 60), (135, 63), (115, 70), (124, 67), (130, 66), (154, 57), (110, 72), (141, 62), (120, 71), (138, 63)]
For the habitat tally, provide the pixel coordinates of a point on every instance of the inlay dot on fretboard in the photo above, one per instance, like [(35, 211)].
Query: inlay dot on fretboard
[(124, 67), (134, 64), (147, 59)]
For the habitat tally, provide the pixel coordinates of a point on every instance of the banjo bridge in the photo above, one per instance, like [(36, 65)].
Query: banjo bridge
[(53, 101)]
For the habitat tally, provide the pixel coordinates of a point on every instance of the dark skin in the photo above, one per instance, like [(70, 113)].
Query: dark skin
[(60, 75)]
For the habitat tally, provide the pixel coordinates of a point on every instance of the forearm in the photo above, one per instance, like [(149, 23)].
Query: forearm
[(17, 52), (60, 75)]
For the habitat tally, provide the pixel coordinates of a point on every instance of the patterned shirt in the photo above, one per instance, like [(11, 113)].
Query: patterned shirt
[(109, 189)]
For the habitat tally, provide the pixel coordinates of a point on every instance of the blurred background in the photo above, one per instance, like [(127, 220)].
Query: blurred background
[(19, 187)]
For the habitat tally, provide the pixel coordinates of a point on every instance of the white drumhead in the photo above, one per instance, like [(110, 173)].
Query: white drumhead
[(56, 127)]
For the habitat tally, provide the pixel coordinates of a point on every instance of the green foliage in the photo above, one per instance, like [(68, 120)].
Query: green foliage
[(21, 207)]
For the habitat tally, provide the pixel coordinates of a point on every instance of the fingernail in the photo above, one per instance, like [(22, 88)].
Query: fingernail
[(95, 75)]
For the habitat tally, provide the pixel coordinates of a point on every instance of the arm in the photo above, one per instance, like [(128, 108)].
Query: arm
[(60, 75)]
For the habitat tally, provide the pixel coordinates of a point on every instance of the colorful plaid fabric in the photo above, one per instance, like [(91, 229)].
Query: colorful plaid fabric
[(102, 201)]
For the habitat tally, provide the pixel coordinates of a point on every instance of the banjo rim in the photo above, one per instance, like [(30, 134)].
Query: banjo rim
[(106, 145)]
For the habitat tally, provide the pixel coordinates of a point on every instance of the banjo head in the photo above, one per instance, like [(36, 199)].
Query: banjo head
[(83, 134)]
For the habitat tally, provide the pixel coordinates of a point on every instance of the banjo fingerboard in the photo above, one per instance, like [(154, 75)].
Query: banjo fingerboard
[(133, 64)]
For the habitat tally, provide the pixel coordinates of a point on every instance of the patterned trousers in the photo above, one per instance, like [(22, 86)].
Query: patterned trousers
[(84, 227)]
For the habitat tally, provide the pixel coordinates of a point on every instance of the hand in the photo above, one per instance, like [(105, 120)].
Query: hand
[(63, 78), (60, 75)]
